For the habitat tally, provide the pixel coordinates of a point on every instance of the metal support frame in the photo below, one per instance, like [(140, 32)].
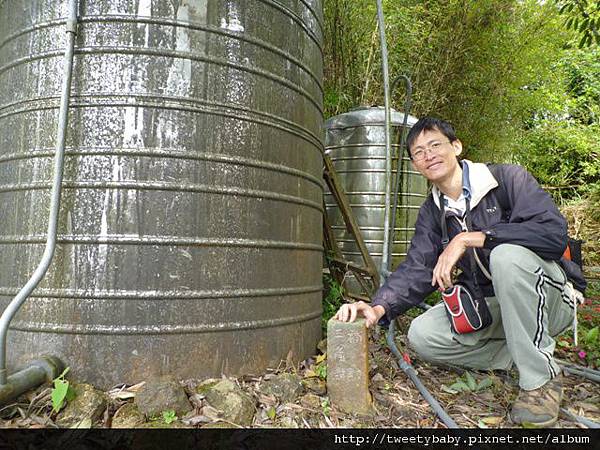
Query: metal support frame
[(367, 275)]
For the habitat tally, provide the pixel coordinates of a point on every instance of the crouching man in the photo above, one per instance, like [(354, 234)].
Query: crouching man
[(505, 237)]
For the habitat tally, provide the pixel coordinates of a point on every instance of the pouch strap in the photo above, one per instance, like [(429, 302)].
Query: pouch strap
[(445, 240)]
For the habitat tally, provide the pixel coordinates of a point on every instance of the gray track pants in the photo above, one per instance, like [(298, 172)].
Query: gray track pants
[(532, 305)]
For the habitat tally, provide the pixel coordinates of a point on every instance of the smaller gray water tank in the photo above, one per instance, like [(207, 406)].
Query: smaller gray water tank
[(355, 141)]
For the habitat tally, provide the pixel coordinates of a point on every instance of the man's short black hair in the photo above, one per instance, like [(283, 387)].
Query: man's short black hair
[(429, 124)]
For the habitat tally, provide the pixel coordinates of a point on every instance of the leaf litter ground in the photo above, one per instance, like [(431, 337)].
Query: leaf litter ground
[(397, 403)]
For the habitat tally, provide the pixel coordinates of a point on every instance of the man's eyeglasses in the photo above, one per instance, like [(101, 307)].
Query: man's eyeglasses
[(434, 147)]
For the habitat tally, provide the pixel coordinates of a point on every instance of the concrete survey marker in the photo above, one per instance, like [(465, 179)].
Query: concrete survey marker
[(348, 366)]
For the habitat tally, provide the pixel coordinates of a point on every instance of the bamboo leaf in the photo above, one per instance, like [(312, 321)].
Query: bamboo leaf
[(59, 393), (485, 383), (569, 22), (459, 386), (449, 390), (470, 381), (71, 394)]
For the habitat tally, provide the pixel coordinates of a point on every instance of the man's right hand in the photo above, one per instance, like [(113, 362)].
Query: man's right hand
[(349, 312)]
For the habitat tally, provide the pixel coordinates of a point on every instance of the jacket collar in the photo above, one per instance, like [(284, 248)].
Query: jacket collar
[(481, 182)]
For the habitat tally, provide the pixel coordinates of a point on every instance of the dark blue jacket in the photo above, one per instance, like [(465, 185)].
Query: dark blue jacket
[(534, 222)]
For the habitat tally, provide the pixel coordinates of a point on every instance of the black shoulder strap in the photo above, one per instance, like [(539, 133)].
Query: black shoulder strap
[(446, 240), (501, 193)]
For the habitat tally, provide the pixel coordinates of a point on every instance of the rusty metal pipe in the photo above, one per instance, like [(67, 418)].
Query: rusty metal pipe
[(16, 303)]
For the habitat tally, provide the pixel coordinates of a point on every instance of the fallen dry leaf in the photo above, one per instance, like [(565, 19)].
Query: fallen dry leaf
[(121, 395), (492, 420), (589, 407)]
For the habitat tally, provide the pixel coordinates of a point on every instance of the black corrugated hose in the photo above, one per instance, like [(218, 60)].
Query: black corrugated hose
[(412, 374)]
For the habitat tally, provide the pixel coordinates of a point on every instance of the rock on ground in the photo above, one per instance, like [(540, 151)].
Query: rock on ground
[(311, 401), (236, 406), (162, 394), (127, 416), (87, 406), (315, 385), (286, 387)]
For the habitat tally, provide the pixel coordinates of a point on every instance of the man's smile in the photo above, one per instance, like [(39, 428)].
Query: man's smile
[(434, 165)]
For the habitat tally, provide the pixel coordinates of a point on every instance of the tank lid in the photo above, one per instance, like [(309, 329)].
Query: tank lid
[(367, 115)]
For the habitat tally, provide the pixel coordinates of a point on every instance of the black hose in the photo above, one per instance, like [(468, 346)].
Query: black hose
[(399, 171), (568, 365), (399, 165), (582, 420), (412, 374), (583, 372)]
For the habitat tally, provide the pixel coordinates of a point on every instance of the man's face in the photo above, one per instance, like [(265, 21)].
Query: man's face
[(434, 156)]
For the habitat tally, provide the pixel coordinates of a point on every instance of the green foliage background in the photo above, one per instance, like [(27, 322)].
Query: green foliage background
[(510, 75)]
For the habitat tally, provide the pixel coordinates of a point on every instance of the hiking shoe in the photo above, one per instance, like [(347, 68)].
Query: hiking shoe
[(540, 406)]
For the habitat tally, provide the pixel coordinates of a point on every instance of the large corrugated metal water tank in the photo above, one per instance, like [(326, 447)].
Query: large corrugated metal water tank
[(355, 141), (190, 234)]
